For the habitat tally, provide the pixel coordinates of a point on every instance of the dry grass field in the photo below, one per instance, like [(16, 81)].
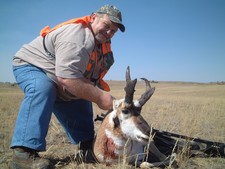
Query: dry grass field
[(191, 109)]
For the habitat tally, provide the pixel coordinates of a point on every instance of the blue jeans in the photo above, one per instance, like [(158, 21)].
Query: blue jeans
[(40, 100)]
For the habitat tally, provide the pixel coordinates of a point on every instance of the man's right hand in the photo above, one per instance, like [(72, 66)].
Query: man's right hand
[(105, 101)]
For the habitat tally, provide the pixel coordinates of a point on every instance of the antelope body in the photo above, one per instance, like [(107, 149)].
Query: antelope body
[(124, 133)]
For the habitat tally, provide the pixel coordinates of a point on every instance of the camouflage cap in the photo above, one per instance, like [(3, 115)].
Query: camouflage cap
[(114, 15)]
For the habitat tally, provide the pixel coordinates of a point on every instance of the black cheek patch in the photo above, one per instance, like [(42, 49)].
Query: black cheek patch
[(116, 122)]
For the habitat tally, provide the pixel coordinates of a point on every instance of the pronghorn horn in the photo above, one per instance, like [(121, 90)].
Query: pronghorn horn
[(128, 74), (148, 93), (129, 89)]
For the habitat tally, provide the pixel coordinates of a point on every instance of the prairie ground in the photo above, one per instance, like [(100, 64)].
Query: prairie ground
[(191, 109)]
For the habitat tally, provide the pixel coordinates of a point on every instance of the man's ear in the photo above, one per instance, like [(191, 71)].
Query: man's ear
[(93, 16)]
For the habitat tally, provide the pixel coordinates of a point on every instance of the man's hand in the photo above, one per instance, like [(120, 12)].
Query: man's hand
[(105, 101)]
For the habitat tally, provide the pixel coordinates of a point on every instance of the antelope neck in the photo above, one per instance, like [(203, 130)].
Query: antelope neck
[(114, 145)]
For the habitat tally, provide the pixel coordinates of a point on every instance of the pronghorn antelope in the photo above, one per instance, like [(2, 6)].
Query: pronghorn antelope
[(124, 133)]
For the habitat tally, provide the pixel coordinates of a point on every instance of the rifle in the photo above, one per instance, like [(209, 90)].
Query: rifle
[(167, 142)]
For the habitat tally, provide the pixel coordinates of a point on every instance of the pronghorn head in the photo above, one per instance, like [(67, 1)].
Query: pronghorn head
[(126, 114)]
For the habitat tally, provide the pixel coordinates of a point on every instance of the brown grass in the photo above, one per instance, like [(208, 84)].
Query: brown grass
[(196, 110)]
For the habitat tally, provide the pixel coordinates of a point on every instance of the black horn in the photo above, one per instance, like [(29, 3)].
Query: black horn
[(129, 89), (148, 93)]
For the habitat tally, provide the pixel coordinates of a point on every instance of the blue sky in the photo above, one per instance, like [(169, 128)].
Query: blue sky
[(165, 40)]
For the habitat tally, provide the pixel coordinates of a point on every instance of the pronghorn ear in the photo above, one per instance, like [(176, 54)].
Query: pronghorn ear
[(117, 103)]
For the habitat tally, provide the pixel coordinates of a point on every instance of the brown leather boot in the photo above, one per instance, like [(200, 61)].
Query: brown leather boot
[(85, 156), (85, 153), (25, 158)]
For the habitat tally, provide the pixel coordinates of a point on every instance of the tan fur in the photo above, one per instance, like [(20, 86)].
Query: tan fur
[(104, 146)]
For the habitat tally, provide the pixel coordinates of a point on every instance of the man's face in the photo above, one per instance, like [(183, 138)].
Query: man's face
[(103, 28)]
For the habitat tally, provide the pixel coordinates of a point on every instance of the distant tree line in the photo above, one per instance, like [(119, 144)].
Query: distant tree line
[(8, 84), (220, 83), (153, 81)]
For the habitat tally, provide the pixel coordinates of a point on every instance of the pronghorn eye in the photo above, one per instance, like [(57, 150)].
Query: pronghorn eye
[(125, 111)]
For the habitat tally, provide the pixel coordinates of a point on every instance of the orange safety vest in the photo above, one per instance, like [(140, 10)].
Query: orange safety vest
[(106, 52)]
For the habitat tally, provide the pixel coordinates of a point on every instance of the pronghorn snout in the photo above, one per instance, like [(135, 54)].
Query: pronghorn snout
[(144, 128)]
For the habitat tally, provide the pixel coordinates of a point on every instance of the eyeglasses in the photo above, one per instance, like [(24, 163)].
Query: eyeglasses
[(110, 28)]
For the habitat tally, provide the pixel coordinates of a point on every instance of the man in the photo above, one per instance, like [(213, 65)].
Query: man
[(61, 71)]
